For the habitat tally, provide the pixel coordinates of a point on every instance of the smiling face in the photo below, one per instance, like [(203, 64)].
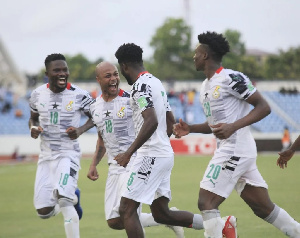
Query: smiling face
[(58, 73), (107, 76)]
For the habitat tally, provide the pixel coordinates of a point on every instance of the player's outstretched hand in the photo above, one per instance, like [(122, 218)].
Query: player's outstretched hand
[(36, 131), (93, 173), (73, 132), (180, 129), (284, 157), (123, 159)]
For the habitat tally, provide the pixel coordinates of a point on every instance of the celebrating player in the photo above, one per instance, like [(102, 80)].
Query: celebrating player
[(225, 96), (112, 115), (55, 114), (150, 170)]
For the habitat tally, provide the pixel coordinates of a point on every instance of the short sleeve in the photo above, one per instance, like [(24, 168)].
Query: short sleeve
[(86, 101), (240, 85), (142, 96), (33, 100)]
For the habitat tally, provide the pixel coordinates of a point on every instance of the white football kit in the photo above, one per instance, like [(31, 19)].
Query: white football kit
[(114, 122), (234, 162), (151, 170), (59, 160)]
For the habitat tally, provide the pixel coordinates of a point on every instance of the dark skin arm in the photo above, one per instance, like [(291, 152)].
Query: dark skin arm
[(286, 155), (182, 128), (223, 130), (98, 155), (74, 132), (170, 122), (34, 122), (261, 110), (149, 126)]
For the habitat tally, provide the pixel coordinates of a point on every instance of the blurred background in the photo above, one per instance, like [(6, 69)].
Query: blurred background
[(265, 46)]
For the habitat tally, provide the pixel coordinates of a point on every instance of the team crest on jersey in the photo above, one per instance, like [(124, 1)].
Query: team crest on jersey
[(69, 106), (121, 113), (216, 93)]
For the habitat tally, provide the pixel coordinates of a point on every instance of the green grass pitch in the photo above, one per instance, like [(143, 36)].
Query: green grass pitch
[(18, 217)]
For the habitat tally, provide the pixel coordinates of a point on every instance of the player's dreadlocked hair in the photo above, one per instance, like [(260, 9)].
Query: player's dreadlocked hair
[(53, 57), (216, 42), (129, 53)]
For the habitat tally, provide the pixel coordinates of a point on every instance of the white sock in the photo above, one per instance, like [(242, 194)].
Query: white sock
[(213, 223), (147, 220), (284, 222), (197, 222), (70, 217), (75, 200), (56, 210)]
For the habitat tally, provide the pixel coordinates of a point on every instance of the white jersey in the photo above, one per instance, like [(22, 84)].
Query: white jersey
[(57, 112), (114, 122), (223, 100), (148, 92)]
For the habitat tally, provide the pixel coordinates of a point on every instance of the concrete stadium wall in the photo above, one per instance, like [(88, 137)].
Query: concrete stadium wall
[(191, 144)]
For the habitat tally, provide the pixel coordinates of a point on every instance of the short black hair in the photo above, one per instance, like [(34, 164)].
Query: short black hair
[(216, 42), (53, 57), (129, 53)]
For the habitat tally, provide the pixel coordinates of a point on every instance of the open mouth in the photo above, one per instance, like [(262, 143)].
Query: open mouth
[(62, 81), (113, 86)]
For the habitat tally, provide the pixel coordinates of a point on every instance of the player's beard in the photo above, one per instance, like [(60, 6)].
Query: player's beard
[(128, 79)]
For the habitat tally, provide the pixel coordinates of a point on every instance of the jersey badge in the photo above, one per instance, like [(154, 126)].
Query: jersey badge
[(250, 86), (142, 102), (121, 113), (216, 93), (69, 106)]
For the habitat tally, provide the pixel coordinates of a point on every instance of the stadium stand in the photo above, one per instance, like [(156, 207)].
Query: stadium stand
[(284, 113)]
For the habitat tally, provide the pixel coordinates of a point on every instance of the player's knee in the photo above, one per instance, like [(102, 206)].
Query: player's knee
[(262, 210), (46, 212), (160, 216), (115, 223), (209, 202), (202, 204), (122, 210)]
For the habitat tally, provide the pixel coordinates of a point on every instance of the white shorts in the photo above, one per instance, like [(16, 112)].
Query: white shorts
[(225, 173), (60, 174), (115, 186), (149, 179)]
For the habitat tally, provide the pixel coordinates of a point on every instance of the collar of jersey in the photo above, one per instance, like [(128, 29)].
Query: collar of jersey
[(120, 93), (141, 73), (219, 70)]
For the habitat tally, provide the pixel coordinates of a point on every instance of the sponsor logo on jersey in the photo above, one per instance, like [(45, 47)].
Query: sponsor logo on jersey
[(216, 93), (121, 113), (69, 106)]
